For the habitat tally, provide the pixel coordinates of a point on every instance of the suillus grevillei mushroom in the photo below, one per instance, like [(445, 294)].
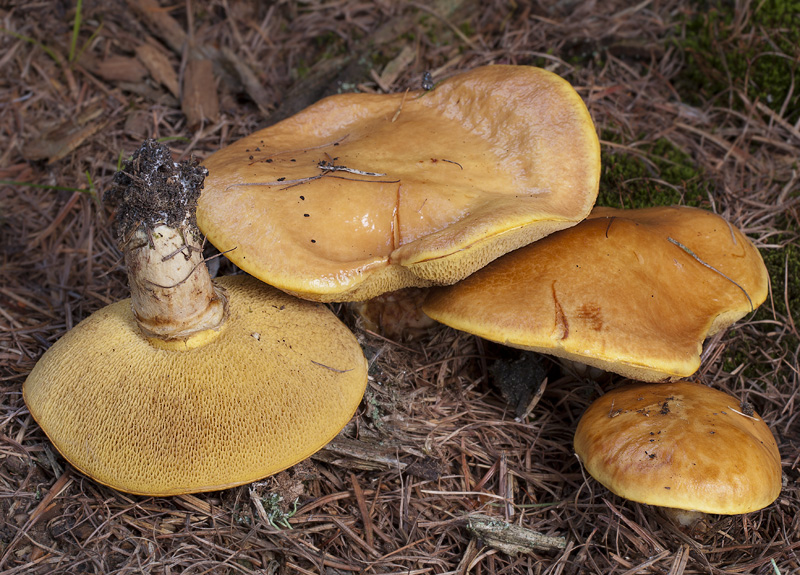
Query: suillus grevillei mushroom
[(634, 292), (680, 445), (396, 315), (191, 385), (361, 194)]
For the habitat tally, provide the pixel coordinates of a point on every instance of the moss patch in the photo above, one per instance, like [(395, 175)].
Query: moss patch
[(753, 52), (657, 174), (781, 262), (783, 266)]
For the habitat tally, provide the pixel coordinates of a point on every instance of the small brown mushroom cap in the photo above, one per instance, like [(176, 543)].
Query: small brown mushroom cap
[(278, 382), (681, 445), (396, 315), (628, 291), (361, 194)]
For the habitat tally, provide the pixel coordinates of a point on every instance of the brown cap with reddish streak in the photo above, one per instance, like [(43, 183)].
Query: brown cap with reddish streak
[(634, 292)]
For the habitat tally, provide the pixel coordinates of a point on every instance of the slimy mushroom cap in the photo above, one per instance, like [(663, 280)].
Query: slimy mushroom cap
[(681, 445), (635, 292)]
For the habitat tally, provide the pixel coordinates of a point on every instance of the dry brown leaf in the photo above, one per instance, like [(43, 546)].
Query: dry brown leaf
[(200, 102), (396, 67), (248, 79), (60, 141), (116, 68), (159, 66), (158, 20)]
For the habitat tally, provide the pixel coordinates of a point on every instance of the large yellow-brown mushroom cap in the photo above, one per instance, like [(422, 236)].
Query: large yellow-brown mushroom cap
[(361, 194), (634, 292), (279, 381), (681, 445)]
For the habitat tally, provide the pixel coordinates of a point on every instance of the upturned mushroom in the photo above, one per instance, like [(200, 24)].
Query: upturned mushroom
[(396, 315), (362, 194), (680, 446), (634, 292), (191, 385)]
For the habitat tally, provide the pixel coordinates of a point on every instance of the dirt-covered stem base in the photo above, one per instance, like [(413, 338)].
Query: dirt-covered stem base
[(172, 293)]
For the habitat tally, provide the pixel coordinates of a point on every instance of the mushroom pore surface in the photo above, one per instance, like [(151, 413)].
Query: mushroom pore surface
[(279, 382)]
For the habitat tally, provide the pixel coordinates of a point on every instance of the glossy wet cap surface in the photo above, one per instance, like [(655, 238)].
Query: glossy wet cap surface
[(361, 194)]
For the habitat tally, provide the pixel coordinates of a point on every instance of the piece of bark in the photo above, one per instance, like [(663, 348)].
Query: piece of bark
[(159, 66), (509, 538), (158, 21), (200, 102)]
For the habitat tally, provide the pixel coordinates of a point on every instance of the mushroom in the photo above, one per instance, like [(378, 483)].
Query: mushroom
[(680, 446), (396, 315), (362, 194), (191, 385), (634, 292)]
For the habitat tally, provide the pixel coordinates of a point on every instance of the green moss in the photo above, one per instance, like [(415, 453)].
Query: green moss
[(657, 174), (783, 267), (441, 36), (433, 35), (331, 45), (740, 353), (781, 263), (378, 58), (301, 70), (467, 29), (758, 58), (327, 40)]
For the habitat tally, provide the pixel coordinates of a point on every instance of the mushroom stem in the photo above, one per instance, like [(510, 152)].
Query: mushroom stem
[(174, 300), (171, 290), (684, 518)]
